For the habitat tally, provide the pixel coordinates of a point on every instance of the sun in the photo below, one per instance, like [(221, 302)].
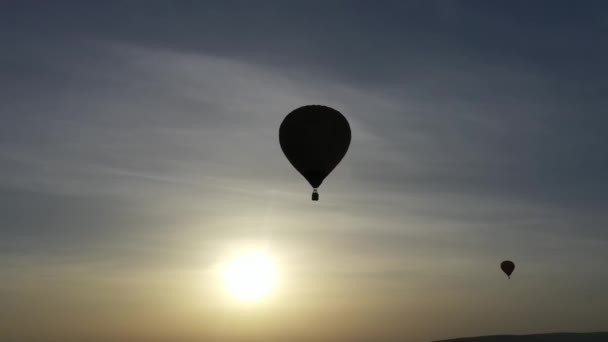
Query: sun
[(250, 276)]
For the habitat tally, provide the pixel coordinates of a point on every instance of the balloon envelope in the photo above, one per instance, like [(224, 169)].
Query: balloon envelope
[(507, 266), (314, 139)]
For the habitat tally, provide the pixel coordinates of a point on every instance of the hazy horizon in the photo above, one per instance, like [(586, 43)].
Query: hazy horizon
[(139, 151)]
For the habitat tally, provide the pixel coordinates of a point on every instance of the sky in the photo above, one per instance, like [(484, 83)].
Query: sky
[(139, 151)]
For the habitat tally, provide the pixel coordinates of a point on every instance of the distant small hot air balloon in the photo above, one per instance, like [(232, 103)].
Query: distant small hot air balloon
[(507, 266), (314, 139)]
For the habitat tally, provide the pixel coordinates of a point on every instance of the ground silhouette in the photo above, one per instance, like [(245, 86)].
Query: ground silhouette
[(555, 337)]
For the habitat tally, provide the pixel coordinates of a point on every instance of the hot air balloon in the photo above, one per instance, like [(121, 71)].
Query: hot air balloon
[(314, 139), (507, 266)]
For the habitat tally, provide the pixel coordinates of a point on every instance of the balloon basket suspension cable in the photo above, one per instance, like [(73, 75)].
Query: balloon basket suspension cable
[(315, 195)]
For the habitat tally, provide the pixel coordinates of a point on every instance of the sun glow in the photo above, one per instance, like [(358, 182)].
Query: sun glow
[(250, 277)]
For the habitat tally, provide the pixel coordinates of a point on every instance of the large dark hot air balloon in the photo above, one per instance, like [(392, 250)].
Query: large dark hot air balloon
[(507, 266), (314, 139)]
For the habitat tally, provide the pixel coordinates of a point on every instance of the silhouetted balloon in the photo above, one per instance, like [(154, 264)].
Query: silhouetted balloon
[(507, 266), (314, 139)]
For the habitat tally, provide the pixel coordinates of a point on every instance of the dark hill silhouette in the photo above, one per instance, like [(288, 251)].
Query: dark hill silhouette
[(555, 337)]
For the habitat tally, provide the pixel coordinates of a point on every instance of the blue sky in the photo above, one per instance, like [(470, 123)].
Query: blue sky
[(139, 147)]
